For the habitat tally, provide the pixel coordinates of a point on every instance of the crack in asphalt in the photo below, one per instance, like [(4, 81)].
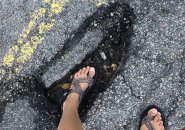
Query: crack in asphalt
[(132, 93)]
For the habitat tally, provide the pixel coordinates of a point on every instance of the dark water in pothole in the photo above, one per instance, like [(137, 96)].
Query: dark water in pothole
[(116, 23)]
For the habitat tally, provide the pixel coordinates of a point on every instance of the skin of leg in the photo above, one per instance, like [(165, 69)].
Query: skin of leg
[(70, 119)]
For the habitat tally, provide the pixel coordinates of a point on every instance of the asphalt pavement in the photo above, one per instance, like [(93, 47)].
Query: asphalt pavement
[(42, 40)]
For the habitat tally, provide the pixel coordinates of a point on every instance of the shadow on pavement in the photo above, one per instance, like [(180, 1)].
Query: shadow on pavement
[(116, 22)]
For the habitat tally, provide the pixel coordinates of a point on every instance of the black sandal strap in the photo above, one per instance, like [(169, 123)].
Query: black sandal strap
[(88, 80), (77, 88), (147, 122)]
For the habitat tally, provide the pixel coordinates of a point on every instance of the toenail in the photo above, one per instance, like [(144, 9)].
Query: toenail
[(153, 111), (92, 69)]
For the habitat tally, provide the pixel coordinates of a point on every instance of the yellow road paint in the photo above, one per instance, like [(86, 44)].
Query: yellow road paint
[(36, 40), (18, 70), (36, 15), (99, 3), (9, 58), (46, 26), (28, 49), (25, 47), (31, 24), (40, 12), (47, 1), (56, 7), (2, 71), (23, 57)]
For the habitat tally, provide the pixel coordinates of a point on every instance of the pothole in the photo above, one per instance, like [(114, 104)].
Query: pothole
[(115, 22)]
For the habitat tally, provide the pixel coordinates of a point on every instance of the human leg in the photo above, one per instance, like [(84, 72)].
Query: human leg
[(70, 119)]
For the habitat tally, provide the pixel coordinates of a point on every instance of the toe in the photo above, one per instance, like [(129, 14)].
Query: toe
[(75, 76), (160, 119), (80, 72), (86, 70), (161, 123), (77, 73), (72, 76), (157, 117), (159, 113), (83, 70), (92, 71), (152, 112)]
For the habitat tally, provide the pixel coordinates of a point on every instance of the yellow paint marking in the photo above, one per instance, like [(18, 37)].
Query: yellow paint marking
[(47, 1), (26, 31), (35, 40), (42, 28), (31, 24), (14, 49), (38, 13), (27, 49), (46, 26), (9, 58), (56, 7), (27, 46), (2, 71), (99, 3), (20, 41), (9, 77), (22, 58), (18, 70)]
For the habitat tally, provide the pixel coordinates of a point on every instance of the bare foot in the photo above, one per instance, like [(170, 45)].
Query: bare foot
[(73, 98), (156, 122)]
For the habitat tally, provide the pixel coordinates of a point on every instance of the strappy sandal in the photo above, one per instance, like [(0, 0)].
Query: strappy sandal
[(146, 120), (77, 88)]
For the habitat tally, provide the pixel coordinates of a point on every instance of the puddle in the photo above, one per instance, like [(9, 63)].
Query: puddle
[(115, 22)]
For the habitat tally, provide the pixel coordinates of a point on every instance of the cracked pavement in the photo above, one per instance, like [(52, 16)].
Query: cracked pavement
[(153, 71)]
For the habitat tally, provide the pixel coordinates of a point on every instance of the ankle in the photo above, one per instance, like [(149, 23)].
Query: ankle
[(73, 96), (72, 101)]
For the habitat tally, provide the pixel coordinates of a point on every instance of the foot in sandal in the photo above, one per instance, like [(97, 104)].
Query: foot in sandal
[(83, 79), (152, 121)]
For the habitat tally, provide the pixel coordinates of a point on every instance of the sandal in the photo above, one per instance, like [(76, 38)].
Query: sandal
[(146, 120), (77, 88)]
